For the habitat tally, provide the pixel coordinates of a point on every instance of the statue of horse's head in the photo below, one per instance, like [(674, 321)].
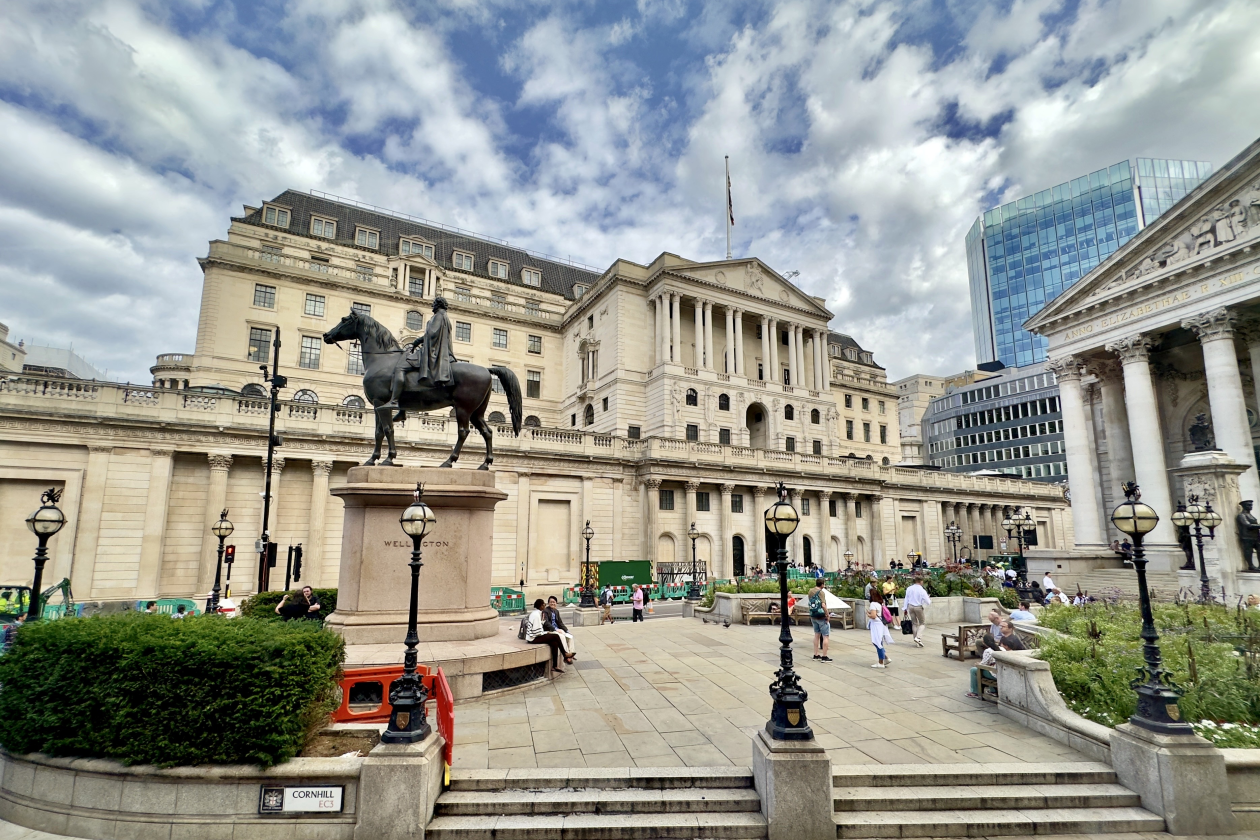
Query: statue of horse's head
[(348, 328), (363, 328)]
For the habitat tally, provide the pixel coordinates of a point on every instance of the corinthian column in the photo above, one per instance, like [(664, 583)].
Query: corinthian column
[(759, 528), (675, 308), (824, 557), (794, 373), (653, 519), (708, 336), (773, 363), (698, 317), (216, 502), (730, 340), (1225, 393), (1145, 434), (1116, 422), (1080, 461), (797, 553), (315, 532), (725, 567), (738, 364), (148, 578), (766, 369)]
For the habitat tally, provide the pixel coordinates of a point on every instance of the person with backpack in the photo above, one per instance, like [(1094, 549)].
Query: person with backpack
[(606, 601), (822, 624)]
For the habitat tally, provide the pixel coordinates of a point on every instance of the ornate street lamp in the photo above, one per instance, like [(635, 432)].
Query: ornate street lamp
[(1157, 696), (787, 715), (848, 558), (1199, 515), (588, 592), (221, 529), (953, 535), (45, 522), (693, 591), (1014, 526), (407, 695)]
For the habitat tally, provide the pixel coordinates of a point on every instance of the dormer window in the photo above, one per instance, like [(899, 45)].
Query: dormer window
[(277, 216), (367, 238), (531, 277), (326, 228), (462, 261), (498, 269), (578, 291), (409, 247), (850, 354)]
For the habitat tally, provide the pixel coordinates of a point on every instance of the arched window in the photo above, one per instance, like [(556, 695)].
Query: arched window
[(415, 321), (306, 395), (789, 413), (814, 416), (851, 455), (254, 390), (497, 417), (724, 402), (870, 457), (887, 462), (692, 397), (532, 421), (353, 401), (588, 416)]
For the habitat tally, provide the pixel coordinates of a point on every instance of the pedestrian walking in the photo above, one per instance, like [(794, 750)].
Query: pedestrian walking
[(606, 601), (876, 625), (917, 600), (822, 624), (636, 604)]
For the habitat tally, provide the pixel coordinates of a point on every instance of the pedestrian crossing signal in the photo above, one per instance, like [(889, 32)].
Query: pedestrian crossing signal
[(229, 553)]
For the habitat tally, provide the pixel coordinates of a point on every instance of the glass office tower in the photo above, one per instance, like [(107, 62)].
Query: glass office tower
[(1022, 254)]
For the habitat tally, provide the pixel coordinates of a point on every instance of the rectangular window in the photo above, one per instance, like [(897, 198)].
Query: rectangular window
[(498, 269), (463, 294), (500, 339), (415, 284), (276, 216), (264, 296), (866, 432), (783, 336), (323, 227), (314, 306), (805, 507), (724, 437), (866, 404), (848, 401), (634, 432), (354, 359), (848, 429), (364, 273), (463, 331), (498, 301), (415, 249), (693, 431), (531, 277), (309, 357), (533, 384), (881, 406), (789, 443), (883, 433), (461, 261), (818, 447), (667, 499), (787, 376), (604, 403), (857, 509), (362, 309), (737, 503), (702, 502), (367, 238), (532, 307), (535, 345), (319, 264), (578, 291), (259, 345), (270, 253), (831, 507), (496, 386)]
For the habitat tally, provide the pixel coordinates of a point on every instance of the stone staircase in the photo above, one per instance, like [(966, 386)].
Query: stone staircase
[(984, 800), (1164, 586), (599, 804)]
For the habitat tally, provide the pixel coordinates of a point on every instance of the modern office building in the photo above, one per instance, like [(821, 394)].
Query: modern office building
[(1023, 254), (1009, 424)]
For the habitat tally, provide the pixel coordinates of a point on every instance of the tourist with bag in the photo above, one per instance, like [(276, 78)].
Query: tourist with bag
[(822, 624)]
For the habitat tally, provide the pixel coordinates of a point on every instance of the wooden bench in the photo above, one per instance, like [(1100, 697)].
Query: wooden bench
[(964, 641), (754, 610), (986, 679)]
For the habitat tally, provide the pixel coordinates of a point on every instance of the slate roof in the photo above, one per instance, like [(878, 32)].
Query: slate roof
[(847, 341), (557, 277)]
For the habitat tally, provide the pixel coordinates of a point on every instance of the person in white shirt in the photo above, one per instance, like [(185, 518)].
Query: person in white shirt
[(536, 634), (1058, 595), (915, 601), (875, 624), (1047, 583)]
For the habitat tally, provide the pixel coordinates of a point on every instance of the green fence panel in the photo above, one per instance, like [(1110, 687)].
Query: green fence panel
[(625, 573), (507, 600)]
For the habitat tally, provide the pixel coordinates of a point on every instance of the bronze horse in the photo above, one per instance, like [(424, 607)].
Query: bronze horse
[(468, 391)]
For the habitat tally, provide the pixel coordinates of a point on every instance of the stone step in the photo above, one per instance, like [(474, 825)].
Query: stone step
[(610, 778), (973, 775), (461, 803), (1027, 822), (983, 797), (1164, 585), (735, 826)]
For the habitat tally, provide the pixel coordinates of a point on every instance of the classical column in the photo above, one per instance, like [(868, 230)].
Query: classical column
[(1080, 456), (675, 331), (759, 527), (797, 554), (1147, 440), (793, 374), (774, 374), (618, 497), (739, 345), (521, 572), (156, 505), (88, 533), (708, 336), (818, 360), (698, 317), (877, 531), (653, 519), (216, 501), (726, 566), (765, 349), (1250, 333), (800, 355), (660, 332), (1116, 422), (1225, 393), (277, 467), (315, 532), (730, 340), (824, 558)]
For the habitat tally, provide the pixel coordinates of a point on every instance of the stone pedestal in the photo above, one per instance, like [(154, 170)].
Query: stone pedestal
[(976, 610), (1213, 477), (398, 786), (1180, 777), (374, 585), (586, 616), (793, 779)]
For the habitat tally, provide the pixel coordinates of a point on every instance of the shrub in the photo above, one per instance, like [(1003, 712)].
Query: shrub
[(144, 689), (263, 605)]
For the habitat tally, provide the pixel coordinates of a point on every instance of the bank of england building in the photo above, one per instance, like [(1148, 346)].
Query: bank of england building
[(655, 395)]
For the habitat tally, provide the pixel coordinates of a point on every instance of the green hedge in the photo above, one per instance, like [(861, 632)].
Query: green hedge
[(263, 605), (144, 689)]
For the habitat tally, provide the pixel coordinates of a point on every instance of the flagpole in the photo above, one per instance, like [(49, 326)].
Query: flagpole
[(730, 210)]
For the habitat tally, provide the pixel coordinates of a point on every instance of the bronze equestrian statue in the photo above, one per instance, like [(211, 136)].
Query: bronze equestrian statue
[(428, 378)]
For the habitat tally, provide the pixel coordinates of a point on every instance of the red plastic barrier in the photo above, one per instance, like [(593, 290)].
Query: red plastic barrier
[(436, 684), (441, 690)]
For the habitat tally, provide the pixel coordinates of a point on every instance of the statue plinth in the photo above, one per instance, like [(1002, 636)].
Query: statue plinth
[(1212, 475), (373, 591)]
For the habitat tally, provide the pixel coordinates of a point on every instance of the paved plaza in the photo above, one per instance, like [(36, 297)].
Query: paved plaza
[(679, 692)]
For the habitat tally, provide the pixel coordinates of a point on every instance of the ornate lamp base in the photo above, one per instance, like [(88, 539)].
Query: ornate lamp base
[(787, 717), (407, 723), (1157, 711)]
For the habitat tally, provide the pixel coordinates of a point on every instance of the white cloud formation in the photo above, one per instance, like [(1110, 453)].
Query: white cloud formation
[(139, 129)]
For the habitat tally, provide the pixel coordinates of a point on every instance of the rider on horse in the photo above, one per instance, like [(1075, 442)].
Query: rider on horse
[(433, 362)]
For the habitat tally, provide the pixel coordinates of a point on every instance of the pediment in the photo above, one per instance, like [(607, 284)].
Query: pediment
[(752, 277)]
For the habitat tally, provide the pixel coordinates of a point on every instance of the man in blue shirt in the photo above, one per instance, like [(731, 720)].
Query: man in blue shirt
[(1023, 613)]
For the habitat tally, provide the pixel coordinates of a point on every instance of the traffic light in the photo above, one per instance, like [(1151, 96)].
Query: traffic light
[(229, 553), (277, 440), (271, 555), (297, 563)]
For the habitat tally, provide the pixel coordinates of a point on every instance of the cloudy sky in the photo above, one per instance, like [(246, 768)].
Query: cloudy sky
[(864, 137)]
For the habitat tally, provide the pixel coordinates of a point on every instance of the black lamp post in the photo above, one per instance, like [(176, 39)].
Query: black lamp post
[(953, 535), (1157, 696), (693, 590), (407, 695), (1199, 515), (787, 715), (848, 558), (45, 522), (588, 592), (221, 529), (1014, 526)]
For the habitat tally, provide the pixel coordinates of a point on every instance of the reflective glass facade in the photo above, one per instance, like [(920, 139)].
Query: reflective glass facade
[(1021, 255)]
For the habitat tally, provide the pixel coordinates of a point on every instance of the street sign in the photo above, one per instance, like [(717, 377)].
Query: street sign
[(291, 800)]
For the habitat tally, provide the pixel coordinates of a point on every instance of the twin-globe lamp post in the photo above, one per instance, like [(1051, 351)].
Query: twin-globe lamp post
[(1157, 709), (407, 695), (221, 529), (693, 589), (1199, 515), (1015, 524), (787, 715), (953, 535), (588, 591), (44, 523)]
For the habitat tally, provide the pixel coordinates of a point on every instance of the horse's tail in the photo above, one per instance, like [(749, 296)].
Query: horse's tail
[(513, 388)]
